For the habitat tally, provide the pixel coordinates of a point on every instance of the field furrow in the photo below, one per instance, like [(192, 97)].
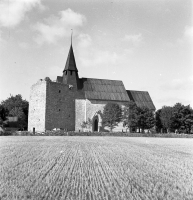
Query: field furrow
[(96, 168)]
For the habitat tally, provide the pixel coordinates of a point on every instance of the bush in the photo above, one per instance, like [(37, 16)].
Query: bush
[(113, 134)]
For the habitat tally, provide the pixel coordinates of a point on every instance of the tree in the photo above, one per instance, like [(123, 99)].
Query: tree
[(16, 101), (89, 123), (177, 116), (158, 122), (182, 118), (83, 125), (18, 112), (3, 113), (149, 119), (18, 107), (187, 124), (86, 124), (130, 115), (146, 119), (166, 117), (112, 115)]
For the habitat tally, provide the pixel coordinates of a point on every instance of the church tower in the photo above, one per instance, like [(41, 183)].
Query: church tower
[(70, 73)]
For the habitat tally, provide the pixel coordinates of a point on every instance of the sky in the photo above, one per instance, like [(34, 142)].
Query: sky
[(145, 43)]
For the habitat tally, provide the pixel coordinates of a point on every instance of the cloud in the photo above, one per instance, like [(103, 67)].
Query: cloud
[(23, 45), (56, 27), (176, 90), (171, 101), (85, 41), (187, 37), (53, 72), (188, 33), (179, 84), (2, 41), (1, 36), (133, 39), (12, 12), (90, 56)]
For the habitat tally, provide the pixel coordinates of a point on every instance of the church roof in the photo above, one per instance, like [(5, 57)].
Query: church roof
[(102, 89), (70, 62), (141, 98), (113, 90)]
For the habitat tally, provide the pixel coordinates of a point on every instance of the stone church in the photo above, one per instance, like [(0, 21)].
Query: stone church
[(70, 100)]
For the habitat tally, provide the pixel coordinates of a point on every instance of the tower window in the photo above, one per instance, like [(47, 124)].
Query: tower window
[(70, 72), (59, 91), (65, 72), (59, 110)]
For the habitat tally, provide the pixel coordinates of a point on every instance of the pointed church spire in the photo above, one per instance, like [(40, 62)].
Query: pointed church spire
[(70, 73), (70, 62), (71, 36)]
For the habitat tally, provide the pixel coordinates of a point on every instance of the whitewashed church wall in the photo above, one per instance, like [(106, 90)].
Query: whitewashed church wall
[(79, 113), (37, 106), (86, 109)]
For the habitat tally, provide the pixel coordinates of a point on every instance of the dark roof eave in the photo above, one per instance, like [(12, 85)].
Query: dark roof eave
[(126, 101)]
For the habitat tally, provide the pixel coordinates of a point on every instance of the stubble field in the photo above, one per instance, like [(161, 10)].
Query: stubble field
[(96, 168)]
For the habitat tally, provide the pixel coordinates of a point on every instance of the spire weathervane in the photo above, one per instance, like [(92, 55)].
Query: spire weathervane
[(71, 35)]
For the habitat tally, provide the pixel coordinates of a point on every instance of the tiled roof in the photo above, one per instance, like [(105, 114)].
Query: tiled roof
[(141, 98), (102, 89), (113, 90)]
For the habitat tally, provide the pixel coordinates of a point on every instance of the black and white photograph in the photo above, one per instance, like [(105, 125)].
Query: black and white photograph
[(96, 99)]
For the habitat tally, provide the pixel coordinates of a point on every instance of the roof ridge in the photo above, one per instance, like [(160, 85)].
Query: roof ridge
[(101, 79), (138, 90)]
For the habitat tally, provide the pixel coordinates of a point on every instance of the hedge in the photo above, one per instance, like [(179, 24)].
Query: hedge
[(117, 134)]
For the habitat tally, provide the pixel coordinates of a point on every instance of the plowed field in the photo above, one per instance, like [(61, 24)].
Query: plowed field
[(96, 168)]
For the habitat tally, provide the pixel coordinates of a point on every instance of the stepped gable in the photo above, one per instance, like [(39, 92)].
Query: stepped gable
[(141, 98)]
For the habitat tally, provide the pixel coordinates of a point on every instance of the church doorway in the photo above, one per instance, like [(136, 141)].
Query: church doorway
[(95, 124)]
